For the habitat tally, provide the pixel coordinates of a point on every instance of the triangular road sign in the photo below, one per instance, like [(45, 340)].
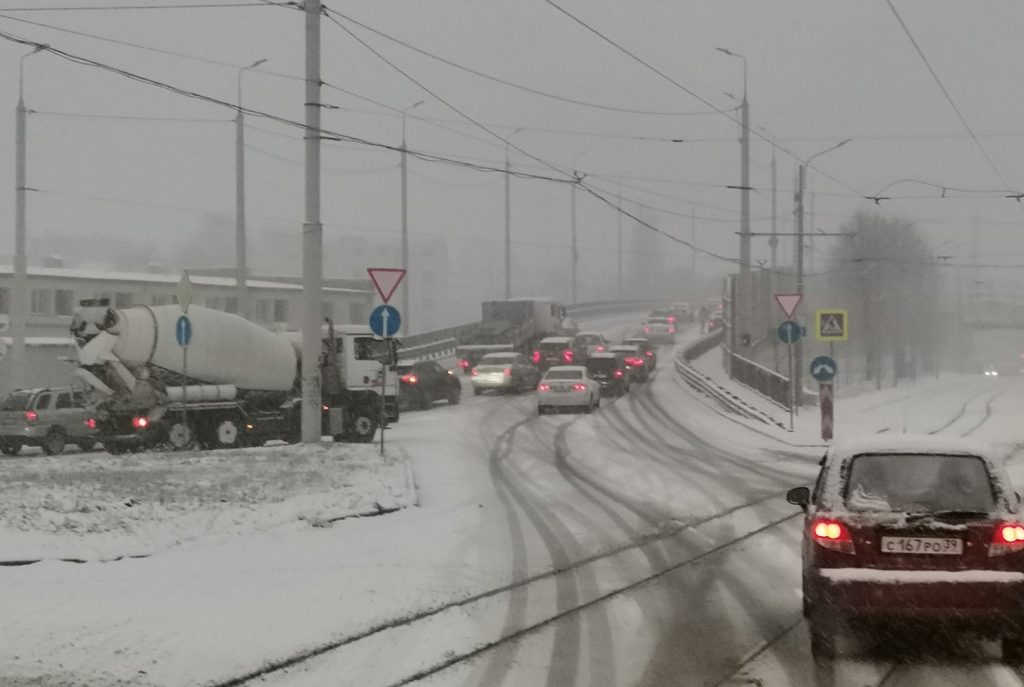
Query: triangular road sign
[(385, 280), (830, 326), (788, 302)]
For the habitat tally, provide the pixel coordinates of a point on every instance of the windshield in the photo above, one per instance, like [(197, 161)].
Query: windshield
[(918, 483)]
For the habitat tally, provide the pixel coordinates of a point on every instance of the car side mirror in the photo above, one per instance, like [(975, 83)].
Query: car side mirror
[(799, 496)]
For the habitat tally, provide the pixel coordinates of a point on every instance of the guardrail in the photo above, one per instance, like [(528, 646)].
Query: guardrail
[(441, 343), (706, 385), (767, 382)]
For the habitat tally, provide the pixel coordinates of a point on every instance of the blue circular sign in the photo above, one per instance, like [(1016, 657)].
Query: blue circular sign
[(183, 330), (385, 320), (790, 331), (824, 368)]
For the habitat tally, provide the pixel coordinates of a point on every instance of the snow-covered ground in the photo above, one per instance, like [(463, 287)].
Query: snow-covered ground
[(503, 496)]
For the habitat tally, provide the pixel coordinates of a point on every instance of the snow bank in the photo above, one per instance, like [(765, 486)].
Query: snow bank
[(98, 506)]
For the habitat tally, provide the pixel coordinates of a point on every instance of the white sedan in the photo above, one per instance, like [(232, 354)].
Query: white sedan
[(568, 387)]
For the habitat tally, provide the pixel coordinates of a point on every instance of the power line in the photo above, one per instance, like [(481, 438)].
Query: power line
[(100, 8), (511, 84), (138, 118), (949, 98)]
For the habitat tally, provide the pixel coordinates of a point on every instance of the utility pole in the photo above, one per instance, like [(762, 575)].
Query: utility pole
[(406, 315), (618, 218), (798, 365), (19, 305), (508, 218), (693, 247), (241, 266), (575, 253), (773, 242), (312, 237)]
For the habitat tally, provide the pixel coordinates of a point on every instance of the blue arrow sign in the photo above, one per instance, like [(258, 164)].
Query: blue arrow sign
[(790, 331), (183, 330), (385, 320), (824, 368)]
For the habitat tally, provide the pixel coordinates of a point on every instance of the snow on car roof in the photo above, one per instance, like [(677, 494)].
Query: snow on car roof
[(911, 443), (498, 356), (602, 356), (623, 347), (556, 339), (566, 368)]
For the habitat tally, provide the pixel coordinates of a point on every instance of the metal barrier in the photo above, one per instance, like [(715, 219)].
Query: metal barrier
[(707, 386), (768, 383), (702, 345)]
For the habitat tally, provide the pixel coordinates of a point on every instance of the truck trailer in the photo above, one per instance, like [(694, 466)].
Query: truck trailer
[(515, 325), (235, 384)]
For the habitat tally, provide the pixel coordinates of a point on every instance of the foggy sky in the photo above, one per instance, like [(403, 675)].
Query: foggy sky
[(138, 189)]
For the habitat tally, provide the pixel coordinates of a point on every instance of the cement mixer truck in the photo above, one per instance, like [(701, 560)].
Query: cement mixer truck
[(236, 384)]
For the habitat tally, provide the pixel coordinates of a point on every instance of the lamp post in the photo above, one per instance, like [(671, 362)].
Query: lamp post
[(19, 302), (406, 315), (798, 366), (575, 251), (508, 219), (241, 266), (745, 285)]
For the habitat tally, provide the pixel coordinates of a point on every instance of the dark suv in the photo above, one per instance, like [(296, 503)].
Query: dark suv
[(610, 370), (558, 350), (421, 383), (912, 531)]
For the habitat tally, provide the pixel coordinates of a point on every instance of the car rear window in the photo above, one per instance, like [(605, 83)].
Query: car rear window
[(493, 359), (918, 483), (564, 374), (588, 339), (403, 369), (553, 347), (601, 365), (658, 320), (15, 401)]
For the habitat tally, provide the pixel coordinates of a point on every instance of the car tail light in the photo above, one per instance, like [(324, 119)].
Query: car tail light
[(140, 422), (507, 371), (31, 416), (617, 374), (634, 362), (672, 318), (671, 329), (324, 407), (649, 354), (543, 387), (474, 373), (579, 387), (409, 379), (536, 357), (1008, 538), (647, 330), (463, 363), (91, 423), (568, 355), (832, 534), (600, 348)]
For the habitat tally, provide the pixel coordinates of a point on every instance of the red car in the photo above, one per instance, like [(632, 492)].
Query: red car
[(912, 529)]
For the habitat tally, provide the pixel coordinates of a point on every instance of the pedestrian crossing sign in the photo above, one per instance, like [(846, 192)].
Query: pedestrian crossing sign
[(831, 324)]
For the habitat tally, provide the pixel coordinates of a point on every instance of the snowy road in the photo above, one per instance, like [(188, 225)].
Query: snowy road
[(648, 543)]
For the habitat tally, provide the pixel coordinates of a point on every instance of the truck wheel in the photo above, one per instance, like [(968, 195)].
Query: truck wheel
[(227, 434), (180, 436), (10, 447), (54, 441), (364, 427), (86, 445)]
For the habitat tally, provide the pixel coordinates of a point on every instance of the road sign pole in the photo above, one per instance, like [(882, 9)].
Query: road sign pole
[(827, 419), (789, 355), (384, 385)]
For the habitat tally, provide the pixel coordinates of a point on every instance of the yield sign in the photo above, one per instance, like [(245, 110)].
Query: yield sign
[(385, 280), (788, 302)]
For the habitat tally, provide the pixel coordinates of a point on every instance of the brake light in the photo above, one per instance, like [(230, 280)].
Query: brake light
[(617, 374), (1008, 538), (91, 423), (649, 354), (600, 348), (536, 357), (140, 422), (409, 379), (324, 407), (832, 534), (671, 329), (463, 363), (31, 416), (672, 318), (647, 330), (634, 362), (474, 373), (579, 387), (543, 387), (568, 355), (507, 371)]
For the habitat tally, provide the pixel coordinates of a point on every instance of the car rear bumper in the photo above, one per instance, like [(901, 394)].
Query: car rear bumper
[(505, 382), (969, 597), (566, 399)]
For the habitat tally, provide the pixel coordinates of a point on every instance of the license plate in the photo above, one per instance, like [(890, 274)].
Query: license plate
[(562, 389), (934, 546)]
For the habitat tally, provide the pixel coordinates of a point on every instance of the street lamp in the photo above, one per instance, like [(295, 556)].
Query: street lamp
[(798, 366), (19, 304), (508, 219), (406, 315), (241, 267), (745, 285)]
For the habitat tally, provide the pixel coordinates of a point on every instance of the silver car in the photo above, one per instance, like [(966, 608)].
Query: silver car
[(49, 418), (507, 372)]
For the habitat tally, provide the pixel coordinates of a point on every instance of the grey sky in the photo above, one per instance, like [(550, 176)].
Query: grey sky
[(818, 73)]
